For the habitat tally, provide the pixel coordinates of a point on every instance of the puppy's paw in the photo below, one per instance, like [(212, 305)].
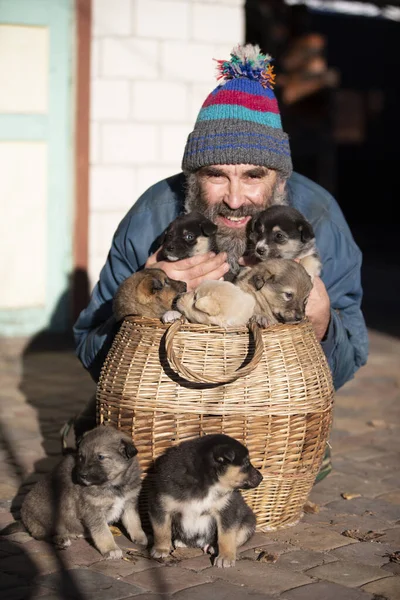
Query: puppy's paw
[(160, 552), (262, 321), (222, 561), (171, 316), (113, 554), (61, 542), (140, 538)]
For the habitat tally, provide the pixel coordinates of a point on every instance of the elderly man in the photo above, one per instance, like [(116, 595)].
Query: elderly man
[(236, 162)]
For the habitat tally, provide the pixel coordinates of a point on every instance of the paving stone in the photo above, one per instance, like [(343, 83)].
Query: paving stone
[(199, 563), (388, 588), (313, 538), (392, 567), (81, 553), (261, 577), (219, 590), (339, 522), (121, 568), (167, 580), (84, 584), (347, 573), (359, 506), (366, 553), (325, 590), (391, 536), (301, 560)]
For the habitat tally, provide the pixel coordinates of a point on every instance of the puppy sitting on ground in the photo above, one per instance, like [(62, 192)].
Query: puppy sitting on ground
[(280, 288), (187, 236), (194, 499), (283, 232), (86, 492), (215, 303), (147, 293)]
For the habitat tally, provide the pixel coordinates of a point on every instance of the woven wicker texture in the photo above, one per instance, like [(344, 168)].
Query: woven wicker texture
[(271, 389)]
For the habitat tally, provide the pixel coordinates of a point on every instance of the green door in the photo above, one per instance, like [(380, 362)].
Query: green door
[(36, 162)]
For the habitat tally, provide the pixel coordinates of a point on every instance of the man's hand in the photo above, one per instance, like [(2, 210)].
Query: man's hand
[(318, 308), (192, 270)]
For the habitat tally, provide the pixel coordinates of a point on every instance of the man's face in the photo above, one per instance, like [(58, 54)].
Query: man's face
[(229, 195)]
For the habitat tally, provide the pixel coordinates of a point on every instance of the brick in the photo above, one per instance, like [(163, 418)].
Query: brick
[(173, 14), (198, 94), (102, 228), (148, 176), (130, 58), (301, 560), (391, 536), (111, 19), (391, 497), (167, 580), (88, 582), (217, 23), (366, 553), (112, 188), (94, 150), (157, 101), (95, 59), (360, 506), (190, 62), (327, 591), (346, 573), (218, 590), (122, 568), (312, 538), (388, 588), (260, 576), (109, 100), (173, 141), (129, 144)]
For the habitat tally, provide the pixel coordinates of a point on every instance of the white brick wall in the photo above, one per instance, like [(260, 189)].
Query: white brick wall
[(152, 68)]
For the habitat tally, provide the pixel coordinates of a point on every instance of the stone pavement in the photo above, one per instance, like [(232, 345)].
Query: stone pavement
[(347, 547)]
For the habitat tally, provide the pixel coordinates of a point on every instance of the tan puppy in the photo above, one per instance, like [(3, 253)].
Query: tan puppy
[(280, 287), (217, 303), (148, 293), (86, 491)]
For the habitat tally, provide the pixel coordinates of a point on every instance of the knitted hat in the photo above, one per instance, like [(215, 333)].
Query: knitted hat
[(239, 122)]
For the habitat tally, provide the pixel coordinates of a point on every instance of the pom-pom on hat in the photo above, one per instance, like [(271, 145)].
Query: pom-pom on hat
[(239, 122)]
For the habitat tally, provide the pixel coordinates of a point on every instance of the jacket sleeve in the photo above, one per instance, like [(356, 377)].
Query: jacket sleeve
[(95, 327), (346, 343)]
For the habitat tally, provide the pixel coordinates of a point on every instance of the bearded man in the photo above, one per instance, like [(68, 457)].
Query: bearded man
[(236, 162)]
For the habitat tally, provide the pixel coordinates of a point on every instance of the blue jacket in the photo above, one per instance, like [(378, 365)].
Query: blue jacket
[(346, 343)]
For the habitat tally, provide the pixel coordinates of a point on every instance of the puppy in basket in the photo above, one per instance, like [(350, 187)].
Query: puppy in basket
[(147, 293), (280, 288), (187, 236), (283, 232), (194, 497), (86, 491), (214, 303)]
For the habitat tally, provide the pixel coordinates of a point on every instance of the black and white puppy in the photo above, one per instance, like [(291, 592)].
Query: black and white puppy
[(186, 236), (194, 499), (283, 232)]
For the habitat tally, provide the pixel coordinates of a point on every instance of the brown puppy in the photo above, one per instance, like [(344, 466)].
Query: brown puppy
[(147, 293), (280, 287), (85, 492), (216, 303)]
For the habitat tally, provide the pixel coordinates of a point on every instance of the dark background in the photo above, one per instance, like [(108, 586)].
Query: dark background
[(346, 136)]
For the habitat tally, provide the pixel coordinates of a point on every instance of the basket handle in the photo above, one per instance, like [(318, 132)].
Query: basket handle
[(195, 377)]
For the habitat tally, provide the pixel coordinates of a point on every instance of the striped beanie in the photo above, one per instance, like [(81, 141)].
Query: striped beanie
[(239, 122)]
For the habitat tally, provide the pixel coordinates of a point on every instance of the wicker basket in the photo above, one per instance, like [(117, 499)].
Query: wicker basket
[(271, 389)]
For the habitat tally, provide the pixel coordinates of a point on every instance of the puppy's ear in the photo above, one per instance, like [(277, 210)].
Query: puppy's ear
[(127, 449), (224, 454), (208, 305), (156, 285), (208, 228), (259, 280), (306, 232)]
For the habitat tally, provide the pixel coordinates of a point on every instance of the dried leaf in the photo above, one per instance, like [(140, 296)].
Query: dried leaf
[(310, 507), (115, 530), (266, 557), (393, 556), (378, 423), (355, 534), (349, 495), (130, 558)]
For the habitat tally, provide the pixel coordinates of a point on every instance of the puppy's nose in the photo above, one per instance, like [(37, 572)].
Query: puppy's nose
[(261, 250), (170, 247)]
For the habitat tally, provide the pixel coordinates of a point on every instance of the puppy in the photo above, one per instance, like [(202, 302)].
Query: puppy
[(187, 236), (85, 492), (280, 287), (216, 303), (283, 232), (194, 499), (148, 293)]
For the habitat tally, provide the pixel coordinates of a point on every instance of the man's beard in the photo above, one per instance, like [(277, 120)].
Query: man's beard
[(231, 240)]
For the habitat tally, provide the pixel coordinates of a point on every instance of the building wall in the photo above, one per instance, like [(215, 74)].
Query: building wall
[(152, 67)]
